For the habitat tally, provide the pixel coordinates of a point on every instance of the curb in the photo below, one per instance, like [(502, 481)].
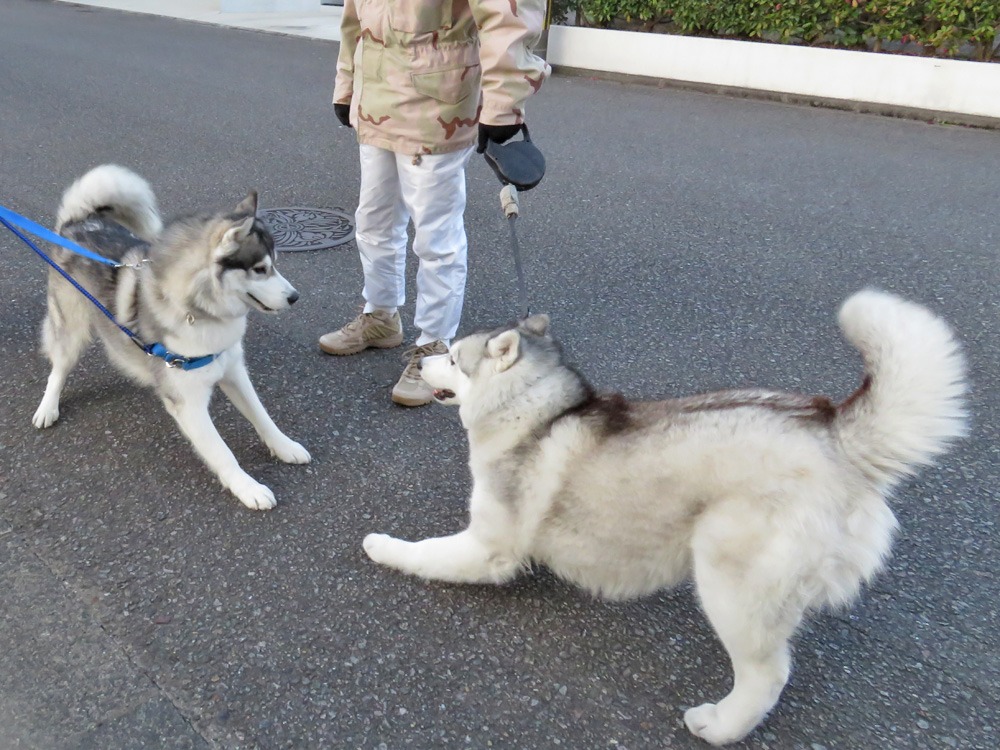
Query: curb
[(921, 88)]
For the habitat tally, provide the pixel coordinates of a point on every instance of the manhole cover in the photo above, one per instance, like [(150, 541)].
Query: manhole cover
[(297, 229)]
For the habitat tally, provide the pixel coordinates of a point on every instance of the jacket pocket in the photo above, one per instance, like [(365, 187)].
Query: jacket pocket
[(419, 16), (451, 85), (371, 61)]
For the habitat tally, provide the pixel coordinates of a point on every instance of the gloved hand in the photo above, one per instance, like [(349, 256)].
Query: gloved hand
[(495, 133), (343, 112)]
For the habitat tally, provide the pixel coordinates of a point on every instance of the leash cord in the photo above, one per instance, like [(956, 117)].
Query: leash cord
[(508, 202), (153, 350), (521, 286), (10, 217), (110, 316)]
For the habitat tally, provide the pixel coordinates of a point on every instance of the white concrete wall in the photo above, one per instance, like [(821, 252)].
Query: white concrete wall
[(970, 88)]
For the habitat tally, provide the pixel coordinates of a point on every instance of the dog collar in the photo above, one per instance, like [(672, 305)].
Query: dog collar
[(176, 360)]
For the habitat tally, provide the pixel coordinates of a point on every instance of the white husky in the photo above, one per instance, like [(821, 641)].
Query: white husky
[(189, 288), (775, 503)]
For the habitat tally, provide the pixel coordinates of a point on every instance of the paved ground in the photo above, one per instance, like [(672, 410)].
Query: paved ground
[(680, 241)]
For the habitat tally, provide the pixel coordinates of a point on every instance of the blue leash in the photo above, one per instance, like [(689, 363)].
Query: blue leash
[(12, 220), (8, 217)]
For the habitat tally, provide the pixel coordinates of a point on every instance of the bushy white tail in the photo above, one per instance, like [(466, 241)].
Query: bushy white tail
[(912, 405), (126, 194)]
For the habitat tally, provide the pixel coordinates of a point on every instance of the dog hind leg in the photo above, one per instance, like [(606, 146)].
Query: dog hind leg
[(66, 332), (459, 558), (754, 616)]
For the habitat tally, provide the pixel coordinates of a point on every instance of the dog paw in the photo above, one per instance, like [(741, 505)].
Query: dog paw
[(379, 548), (290, 452), (707, 722), (252, 493), (45, 416)]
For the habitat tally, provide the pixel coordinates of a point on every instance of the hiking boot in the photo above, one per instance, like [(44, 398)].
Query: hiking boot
[(412, 390), (376, 329)]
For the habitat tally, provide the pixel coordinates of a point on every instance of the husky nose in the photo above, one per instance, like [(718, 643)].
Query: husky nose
[(292, 297)]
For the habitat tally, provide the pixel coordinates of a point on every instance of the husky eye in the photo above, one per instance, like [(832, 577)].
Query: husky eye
[(451, 360), (260, 269)]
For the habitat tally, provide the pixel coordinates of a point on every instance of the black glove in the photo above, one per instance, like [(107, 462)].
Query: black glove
[(343, 112), (495, 133)]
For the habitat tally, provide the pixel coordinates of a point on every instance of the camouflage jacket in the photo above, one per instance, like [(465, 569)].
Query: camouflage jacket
[(420, 74)]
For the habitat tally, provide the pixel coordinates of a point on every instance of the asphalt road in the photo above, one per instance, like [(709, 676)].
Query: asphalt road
[(681, 242)]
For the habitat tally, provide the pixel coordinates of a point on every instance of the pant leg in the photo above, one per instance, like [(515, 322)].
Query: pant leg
[(434, 193), (381, 221)]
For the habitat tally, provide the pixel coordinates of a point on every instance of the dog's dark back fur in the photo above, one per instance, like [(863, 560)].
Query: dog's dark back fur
[(103, 235)]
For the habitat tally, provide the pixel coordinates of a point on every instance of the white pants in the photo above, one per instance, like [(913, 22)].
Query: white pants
[(432, 193)]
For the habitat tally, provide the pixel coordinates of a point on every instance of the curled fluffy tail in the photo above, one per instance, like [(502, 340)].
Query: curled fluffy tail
[(127, 198), (912, 403)]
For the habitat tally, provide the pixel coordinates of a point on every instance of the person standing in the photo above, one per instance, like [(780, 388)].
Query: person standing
[(423, 83)]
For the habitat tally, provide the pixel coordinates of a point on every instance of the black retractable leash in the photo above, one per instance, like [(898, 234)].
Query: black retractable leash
[(520, 166)]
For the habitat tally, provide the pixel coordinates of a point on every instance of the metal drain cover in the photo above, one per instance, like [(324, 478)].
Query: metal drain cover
[(296, 229)]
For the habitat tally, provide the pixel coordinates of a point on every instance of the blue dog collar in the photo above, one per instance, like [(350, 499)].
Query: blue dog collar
[(176, 360)]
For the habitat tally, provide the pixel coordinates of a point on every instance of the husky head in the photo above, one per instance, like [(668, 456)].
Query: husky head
[(222, 265), (488, 369), (245, 261)]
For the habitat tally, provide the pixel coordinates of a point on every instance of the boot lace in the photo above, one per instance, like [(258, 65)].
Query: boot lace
[(413, 355)]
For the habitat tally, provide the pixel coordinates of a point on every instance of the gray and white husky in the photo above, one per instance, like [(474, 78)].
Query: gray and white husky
[(774, 503), (189, 286)]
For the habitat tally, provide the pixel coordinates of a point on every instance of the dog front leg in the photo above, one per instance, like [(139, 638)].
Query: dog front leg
[(459, 558), (483, 553), (191, 414), (240, 391)]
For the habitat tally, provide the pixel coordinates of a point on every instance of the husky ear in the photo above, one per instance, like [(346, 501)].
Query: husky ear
[(536, 324), (504, 348), (238, 232), (248, 206)]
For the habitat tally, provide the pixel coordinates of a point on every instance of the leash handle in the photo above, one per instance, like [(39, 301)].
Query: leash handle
[(508, 201)]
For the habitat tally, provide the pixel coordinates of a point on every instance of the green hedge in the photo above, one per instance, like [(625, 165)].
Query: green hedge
[(942, 27)]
